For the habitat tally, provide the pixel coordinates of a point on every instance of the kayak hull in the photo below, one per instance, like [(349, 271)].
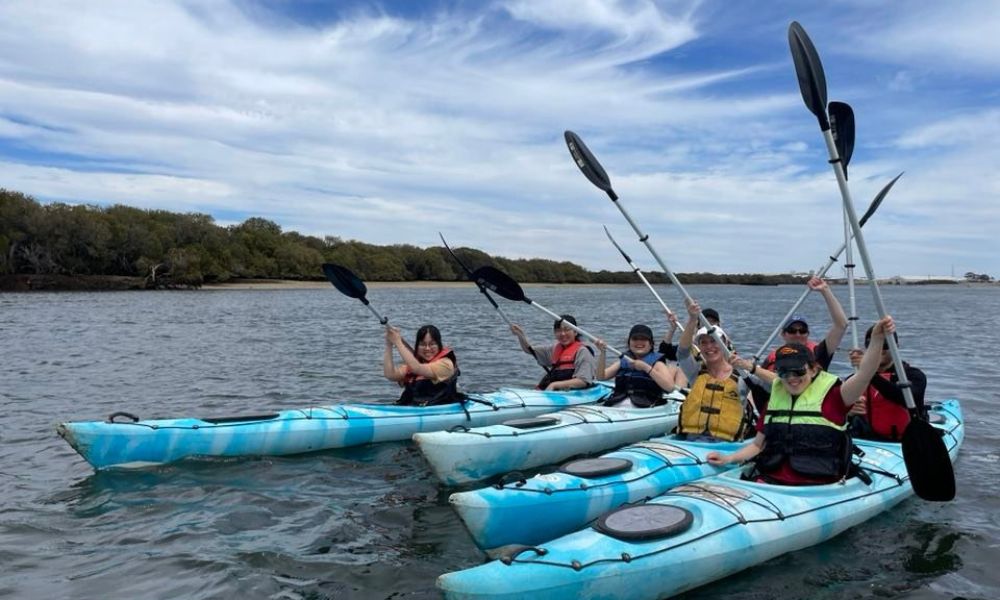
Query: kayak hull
[(550, 505), (735, 524), (460, 457), (151, 442)]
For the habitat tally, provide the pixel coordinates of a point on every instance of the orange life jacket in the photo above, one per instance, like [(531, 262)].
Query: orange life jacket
[(563, 363)]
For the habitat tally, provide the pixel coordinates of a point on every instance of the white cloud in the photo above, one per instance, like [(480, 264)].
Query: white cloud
[(388, 129)]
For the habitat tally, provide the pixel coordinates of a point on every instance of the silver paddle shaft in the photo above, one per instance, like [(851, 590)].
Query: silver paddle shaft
[(638, 272), (845, 194), (571, 326), (820, 273)]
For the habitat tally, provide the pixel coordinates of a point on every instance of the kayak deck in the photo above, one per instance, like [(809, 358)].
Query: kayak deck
[(734, 524), (106, 444)]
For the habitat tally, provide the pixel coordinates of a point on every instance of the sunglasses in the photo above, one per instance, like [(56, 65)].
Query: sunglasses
[(800, 372), (796, 330)]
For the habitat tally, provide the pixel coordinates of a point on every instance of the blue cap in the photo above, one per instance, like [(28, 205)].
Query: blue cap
[(796, 319)]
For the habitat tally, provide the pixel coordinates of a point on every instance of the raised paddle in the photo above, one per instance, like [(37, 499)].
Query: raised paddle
[(638, 272), (504, 285), (468, 273), (842, 127), (350, 285), (759, 356), (924, 452), (593, 171), (842, 124)]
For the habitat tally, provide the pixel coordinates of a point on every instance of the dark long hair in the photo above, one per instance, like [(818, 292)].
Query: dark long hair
[(422, 333)]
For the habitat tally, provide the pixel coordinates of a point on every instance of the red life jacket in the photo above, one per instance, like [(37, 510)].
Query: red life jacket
[(887, 419), (769, 363), (563, 364)]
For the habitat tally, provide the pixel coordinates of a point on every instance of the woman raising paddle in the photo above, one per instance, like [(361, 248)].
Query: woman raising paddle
[(717, 407), (570, 364), (429, 376), (802, 437), (641, 375)]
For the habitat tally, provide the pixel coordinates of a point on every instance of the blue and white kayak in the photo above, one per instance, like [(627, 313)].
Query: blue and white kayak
[(547, 506), (139, 443), (463, 456), (699, 532)]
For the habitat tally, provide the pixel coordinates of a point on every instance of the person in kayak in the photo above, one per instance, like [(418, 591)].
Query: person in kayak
[(796, 329), (640, 375), (667, 346), (802, 437), (881, 413), (428, 375), (569, 364), (717, 407)]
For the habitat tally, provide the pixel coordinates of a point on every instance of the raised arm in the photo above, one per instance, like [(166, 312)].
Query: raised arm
[(604, 370), (521, 338), (389, 369), (687, 336), (837, 315), (856, 384), (416, 367)]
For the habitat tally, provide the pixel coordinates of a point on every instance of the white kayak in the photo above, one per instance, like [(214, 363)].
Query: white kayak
[(459, 455)]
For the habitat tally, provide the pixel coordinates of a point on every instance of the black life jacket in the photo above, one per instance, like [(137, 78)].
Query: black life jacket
[(422, 391), (635, 385), (796, 431)]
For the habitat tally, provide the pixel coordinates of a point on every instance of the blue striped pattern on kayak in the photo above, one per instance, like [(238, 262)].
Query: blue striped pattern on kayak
[(151, 442), (737, 524)]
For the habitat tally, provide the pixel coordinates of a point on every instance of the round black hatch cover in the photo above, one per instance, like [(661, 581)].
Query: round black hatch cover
[(532, 422), (645, 522), (596, 467)]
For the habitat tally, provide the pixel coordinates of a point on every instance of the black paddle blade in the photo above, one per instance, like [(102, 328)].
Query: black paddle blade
[(346, 282), (500, 282), (927, 462), (878, 200), (842, 125), (809, 70), (584, 159)]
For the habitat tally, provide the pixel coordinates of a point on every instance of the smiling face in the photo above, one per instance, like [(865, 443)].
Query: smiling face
[(564, 335), (427, 347), (640, 345), (710, 350), (797, 380)]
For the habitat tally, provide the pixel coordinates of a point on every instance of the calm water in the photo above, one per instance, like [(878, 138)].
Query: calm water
[(371, 522)]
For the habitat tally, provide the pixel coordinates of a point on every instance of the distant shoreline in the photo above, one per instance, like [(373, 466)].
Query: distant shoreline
[(90, 283)]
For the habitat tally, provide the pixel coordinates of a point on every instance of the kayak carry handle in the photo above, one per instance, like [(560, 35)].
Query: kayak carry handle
[(115, 415), (512, 552)]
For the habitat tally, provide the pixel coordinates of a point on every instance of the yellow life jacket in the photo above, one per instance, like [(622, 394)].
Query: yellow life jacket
[(713, 407)]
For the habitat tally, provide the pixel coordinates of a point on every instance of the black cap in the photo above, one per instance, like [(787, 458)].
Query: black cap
[(640, 330), (712, 315), (792, 356)]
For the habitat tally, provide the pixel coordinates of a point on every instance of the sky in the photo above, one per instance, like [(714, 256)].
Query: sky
[(389, 122)]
